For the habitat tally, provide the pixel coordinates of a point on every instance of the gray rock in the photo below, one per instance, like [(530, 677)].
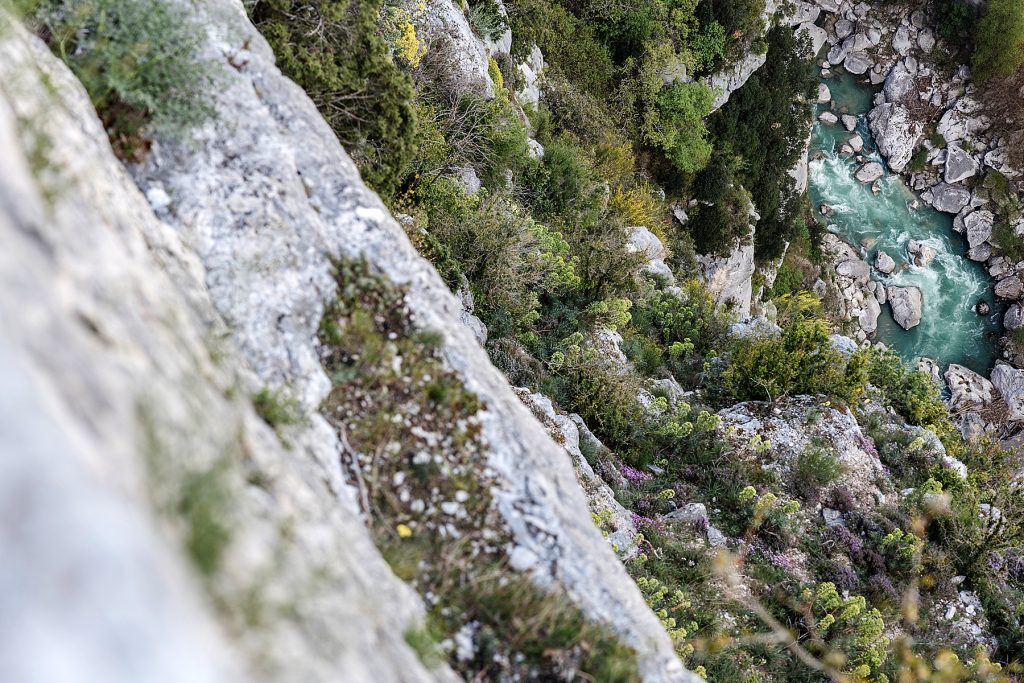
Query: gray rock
[(926, 40), (959, 164), (1013, 319), (645, 242), (921, 254), (837, 54), (902, 41), (816, 37), (967, 388), (843, 344), (978, 227), (856, 143), (725, 83), (980, 253), (824, 94), (896, 133), (1009, 288), (1009, 381), (843, 28), (869, 172), (469, 180), (828, 117), (445, 21), (832, 517), (531, 70), (849, 122), (869, 316), (855, 269), (857, 62), (884, 263), (906, 304), (123, 388), (949, 198), (899, 84)]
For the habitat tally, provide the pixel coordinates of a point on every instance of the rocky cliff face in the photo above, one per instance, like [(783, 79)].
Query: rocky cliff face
[(156, 317)]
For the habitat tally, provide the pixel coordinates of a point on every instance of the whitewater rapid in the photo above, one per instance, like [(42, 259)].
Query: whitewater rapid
[(952, 285)]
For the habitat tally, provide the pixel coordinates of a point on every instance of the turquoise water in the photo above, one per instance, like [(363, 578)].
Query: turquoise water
[(950, 330)]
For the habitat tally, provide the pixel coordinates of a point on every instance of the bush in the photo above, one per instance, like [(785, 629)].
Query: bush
[(816, 466), (676, 124), (800, 361), (333, 50), (486, 19), (138, 61), (999, 40), (911, 393)]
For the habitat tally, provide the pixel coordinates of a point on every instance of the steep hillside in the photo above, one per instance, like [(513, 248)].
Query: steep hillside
[(391, 340)]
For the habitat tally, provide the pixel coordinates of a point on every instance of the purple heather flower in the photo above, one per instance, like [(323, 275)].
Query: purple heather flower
[(634, 475)]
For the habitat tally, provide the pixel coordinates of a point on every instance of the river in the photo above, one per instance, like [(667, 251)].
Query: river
[(950, 330)]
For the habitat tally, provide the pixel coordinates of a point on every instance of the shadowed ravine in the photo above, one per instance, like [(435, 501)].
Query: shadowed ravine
[(950, 331)]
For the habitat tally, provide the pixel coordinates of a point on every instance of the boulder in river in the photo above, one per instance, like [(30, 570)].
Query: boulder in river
[(869, 172), (906, 304), (896, 134), (1009, 288), (949, 198), (869, 316), (983, 308), (828, 117), (849, 122), (857, 62), (824, 94), (920, 253), (978, 226), (884, 263), (959, 164), (856, 143), (855, 269)]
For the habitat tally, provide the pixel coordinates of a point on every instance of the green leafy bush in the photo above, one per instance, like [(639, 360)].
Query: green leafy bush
[(800, 361), (676, 124), (911, 393), (333, 50), (999, 40), (486, 18), (139, 62)]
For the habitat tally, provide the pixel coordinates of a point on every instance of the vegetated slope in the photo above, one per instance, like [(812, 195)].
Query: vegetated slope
[(756, 480)]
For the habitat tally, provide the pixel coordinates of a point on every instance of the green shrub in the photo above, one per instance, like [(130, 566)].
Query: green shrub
[(486, 19), (956, 19), (276, 409), (816, 466), (333, 50), (911, 393), (676, 124), (999, 40), (139, 62), (800, 361)]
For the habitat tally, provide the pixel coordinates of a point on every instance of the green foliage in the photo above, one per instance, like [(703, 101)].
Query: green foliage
[(676, 124), (766, 123), (276, 409), (911, 393), (486, 18), (816, 466), (999, 40), (800, 361), (956, 20), (203, 505), (1010, 243), (139, 62), (333, 50), (849, 626), (508, 259)]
